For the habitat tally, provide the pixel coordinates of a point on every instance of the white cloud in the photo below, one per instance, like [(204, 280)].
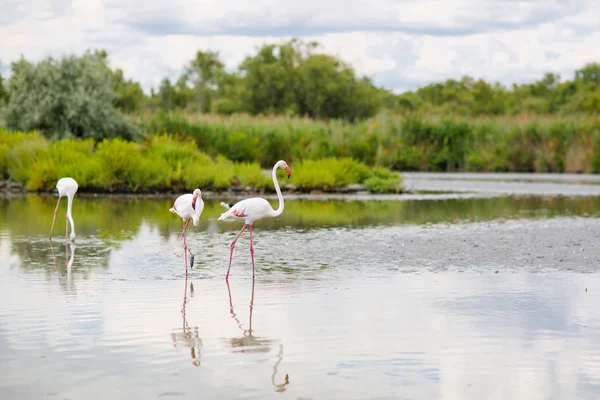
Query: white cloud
[(400, 44)]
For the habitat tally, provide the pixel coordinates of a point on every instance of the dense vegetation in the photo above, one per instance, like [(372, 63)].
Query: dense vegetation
[(81, 96), (286, 101), (412, 142), (161, 163)]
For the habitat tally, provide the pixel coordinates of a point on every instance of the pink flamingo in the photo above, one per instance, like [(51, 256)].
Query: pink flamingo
[(253, 209), (66, 187), (188, 206)]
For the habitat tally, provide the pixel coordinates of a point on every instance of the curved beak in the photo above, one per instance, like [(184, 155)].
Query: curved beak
[(194, 202), (288, 171)]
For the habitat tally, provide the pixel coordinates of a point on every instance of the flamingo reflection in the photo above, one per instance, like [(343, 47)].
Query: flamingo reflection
[(188, 337), (281, 387), (68, 263), (250, 343)]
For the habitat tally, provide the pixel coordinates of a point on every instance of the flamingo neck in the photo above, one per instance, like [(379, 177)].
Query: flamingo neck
[(197, 211), (279, 195), (69, 207)]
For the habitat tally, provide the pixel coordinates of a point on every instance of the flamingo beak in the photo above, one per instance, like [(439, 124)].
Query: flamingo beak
[(288, 171), (194, 202)]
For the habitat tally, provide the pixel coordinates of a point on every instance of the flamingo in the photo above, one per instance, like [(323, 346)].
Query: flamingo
[(66, 187), (188, 206), (253, 209)]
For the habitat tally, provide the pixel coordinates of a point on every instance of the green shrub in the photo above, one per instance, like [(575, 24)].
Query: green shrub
[(330, 173), (125, 167), (65, 158)]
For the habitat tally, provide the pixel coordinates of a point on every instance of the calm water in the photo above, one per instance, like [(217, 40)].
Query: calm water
[(352, 300)]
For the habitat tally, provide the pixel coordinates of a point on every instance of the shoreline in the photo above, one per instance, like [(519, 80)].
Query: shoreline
[(8, 188)]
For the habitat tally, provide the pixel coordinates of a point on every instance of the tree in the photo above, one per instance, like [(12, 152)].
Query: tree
[(589, 73), (72, 96), (271, 78), (203, 73), (130, 96), (3, 91), (291, 79)]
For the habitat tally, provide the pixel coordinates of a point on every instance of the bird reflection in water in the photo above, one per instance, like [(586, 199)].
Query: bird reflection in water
[(249, 343), (188, 337), (68, 263)]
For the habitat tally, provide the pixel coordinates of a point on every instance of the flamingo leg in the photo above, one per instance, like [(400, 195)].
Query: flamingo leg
[(185, 248), (252, 251), (185, 227), (231, 251), (66, 227), (54, 218)]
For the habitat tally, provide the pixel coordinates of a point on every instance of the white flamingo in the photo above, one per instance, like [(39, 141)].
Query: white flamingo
[(253, 209), (188, 206), (66, 187)]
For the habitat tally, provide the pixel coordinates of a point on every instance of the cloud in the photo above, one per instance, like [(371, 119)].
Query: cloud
[(311, 17), (400, 44)]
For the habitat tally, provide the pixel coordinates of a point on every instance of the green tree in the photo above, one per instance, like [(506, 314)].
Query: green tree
[(3, 91), (203, 73), (130, 96), (72, 96), (271, 78), (290, 79)]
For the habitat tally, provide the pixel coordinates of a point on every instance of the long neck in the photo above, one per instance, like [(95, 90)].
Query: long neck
[(279, 195), (69, 207)]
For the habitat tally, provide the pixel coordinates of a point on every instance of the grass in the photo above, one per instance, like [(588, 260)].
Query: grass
[(161, 163), (523, 143)]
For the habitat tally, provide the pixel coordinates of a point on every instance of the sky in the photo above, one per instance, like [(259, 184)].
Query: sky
[(401, 44)]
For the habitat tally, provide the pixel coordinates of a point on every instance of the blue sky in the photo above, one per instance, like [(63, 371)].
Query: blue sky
[(400, 44)]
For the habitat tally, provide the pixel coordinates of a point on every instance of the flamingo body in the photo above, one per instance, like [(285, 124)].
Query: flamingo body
[(249, 210), (252, 209), (188, 206), (183, 206), (66, 187)]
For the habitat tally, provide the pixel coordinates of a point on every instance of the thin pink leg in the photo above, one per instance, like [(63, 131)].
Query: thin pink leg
[(251, 251), (185, 249), (66, 227), (185, 227), (54, 218), (232, 245), (185, 245)]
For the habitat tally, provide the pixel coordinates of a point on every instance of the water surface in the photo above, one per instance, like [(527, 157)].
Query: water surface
[(466, 298)]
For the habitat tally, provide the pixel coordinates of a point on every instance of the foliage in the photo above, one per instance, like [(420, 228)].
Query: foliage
[(331, 173), (160, 163), (68, 157), (468, 96), (412, 142), (288, 78), (3, 90), (129, 96), (70, 97)]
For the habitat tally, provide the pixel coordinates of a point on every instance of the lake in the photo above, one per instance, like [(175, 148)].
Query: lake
[(475, 286)]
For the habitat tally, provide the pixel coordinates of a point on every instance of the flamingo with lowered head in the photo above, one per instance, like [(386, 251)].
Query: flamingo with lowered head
[(66, 187), (188, 206), (253, 209)]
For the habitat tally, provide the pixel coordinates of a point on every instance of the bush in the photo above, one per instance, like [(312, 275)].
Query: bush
[(330, 173), (158, 164), (70, 97), (65, 158)]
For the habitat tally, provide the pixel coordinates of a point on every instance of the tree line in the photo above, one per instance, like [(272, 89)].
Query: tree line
[(82, 96)]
